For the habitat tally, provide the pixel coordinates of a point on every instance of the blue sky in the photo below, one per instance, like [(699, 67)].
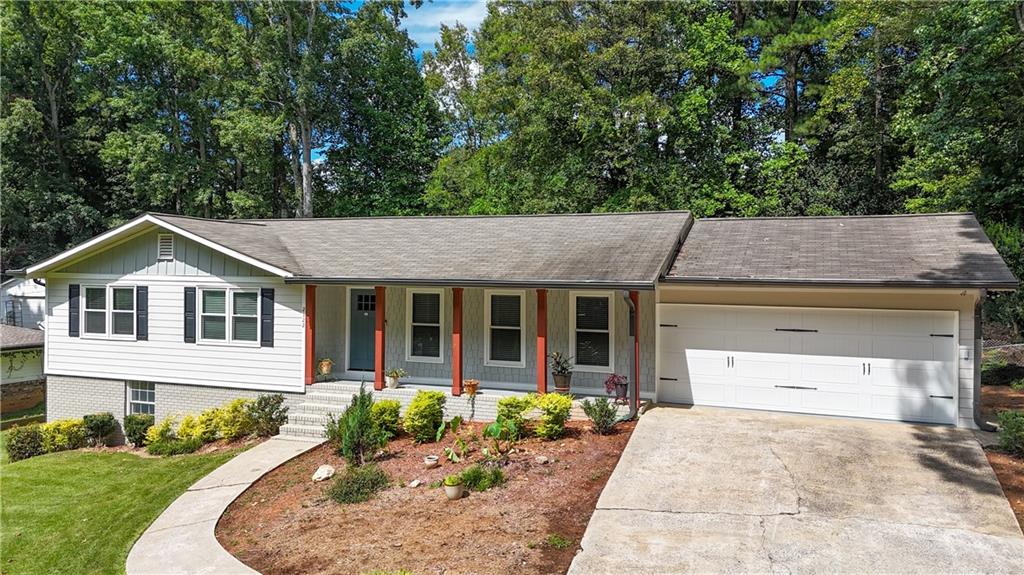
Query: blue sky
[(424, 23)]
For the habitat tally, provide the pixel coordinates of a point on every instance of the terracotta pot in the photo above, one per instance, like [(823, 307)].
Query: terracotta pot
[(561, 382), (391, 381), (453, 492), (324, 367), (470, 386)]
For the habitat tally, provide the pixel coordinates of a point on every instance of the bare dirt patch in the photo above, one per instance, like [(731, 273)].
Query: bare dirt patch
[(1010, 471), (996, 398), (286, 524)]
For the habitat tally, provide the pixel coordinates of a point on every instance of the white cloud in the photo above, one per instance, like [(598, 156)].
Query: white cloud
[(424, 23)]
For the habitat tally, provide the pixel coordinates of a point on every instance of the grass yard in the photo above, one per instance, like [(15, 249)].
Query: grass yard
[(81, 511)]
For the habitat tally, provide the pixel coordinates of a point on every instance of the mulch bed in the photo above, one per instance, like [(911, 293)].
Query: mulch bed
[(1010, 471), (996, 398), (286, 524)]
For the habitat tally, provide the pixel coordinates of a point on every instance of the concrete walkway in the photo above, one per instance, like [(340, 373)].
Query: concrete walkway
[(181, 540), (706, 490)]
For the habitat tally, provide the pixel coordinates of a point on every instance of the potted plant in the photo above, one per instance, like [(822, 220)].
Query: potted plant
[(324, 366), (470, 386), (561, 370), (453, 487), (393, 375), (619, 385)]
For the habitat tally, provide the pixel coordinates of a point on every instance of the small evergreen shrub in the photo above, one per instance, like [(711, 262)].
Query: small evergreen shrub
[(514, 409), (478, 478), (1011, 432), (268, 414), (135, 427), (358, 484), (24, 441), (602, 414), (386, 415), (233, 420), (424, 415), (161, 432), (174, 446), (98, 427), (554, 412), (360, 436), (63, 434), (1017, 384), (201, 429)]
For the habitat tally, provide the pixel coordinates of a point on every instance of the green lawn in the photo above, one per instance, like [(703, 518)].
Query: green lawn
[(80, 512)]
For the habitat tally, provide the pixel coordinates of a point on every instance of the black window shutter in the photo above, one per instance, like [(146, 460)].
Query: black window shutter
[(190, 315), (73, 303), (267, 317), (141, 313)]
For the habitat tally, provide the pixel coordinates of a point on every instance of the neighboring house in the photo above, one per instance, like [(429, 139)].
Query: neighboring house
[(23, 302), (856, 316), (21, 368)]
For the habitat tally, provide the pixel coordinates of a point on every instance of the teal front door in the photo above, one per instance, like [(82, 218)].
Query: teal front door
[(362, 315)]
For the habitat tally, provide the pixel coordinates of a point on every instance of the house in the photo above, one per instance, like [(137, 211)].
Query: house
[(871, 317), (23, 302), (22, 384)]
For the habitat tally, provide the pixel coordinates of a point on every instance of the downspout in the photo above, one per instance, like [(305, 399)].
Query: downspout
[(634, 400), (978, 351)]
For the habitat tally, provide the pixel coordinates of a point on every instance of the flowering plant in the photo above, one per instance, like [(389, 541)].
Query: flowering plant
[(613, 381)]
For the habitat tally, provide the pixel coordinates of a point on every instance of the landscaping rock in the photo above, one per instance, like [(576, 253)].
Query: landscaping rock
[(323, 473), (541, 459), (415, 483)]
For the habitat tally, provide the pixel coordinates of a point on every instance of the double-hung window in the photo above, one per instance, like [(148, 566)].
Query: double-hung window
[(141, 397), (503, 318), (229, 315), (425, 312), (108, 311), (593, 331)]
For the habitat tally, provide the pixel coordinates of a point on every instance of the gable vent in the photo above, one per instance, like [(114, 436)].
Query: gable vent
[(165, 247)]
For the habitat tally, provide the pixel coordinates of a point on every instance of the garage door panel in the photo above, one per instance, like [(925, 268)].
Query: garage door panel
[(765, 319), (775, 367), (819, 370), (693, 364), (907, 348), (849, 403), (930, 379), (764, 342), (763, 397), (677, 340), (702, 318), (835, 321)]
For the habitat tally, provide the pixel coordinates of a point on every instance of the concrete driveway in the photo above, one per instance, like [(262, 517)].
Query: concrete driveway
[(705, 490)]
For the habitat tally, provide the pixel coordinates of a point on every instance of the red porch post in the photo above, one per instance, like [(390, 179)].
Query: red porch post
[(310, 333), (542, 341), (378, 339), (457, 341), (634, 297)]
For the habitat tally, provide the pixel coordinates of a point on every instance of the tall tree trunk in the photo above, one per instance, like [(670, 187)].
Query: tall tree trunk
[(307, 169), (293, 139), (278, 180), (790, 70)]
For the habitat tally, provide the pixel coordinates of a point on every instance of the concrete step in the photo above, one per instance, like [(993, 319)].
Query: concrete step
[(319, 419), (318, 408), (297, 430)]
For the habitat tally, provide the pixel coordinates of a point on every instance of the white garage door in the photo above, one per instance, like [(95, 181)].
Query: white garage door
[(881, 364)]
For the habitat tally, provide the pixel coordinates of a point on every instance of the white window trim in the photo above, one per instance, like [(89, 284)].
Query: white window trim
[(108, 312), (408, 325), (488, 327), (229, 330), (128, 397), (610, 368), (159, 240)]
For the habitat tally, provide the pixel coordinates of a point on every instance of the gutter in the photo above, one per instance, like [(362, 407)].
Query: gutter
[(993, 286), (978, 352), (545, 284)]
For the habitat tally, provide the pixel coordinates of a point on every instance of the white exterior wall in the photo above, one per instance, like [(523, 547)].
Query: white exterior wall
[(960, 301), (30, 295), (21, 365)]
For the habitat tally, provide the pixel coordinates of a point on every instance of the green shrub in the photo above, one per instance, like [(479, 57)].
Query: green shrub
[(98, 427), (602, 414), (24, 441), (202, 428), (1011, 432), (233, 420), (135, 427), (359, 435), (358, 484), (63, 434), (503, 434), (478, 478), (174, 446), (554, 412), (268, 414), (1017, 385), (386, 415), (424, 415), (161, 432), (514, 409)]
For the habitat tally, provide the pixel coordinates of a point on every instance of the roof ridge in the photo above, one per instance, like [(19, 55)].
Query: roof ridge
[(842, 217), (420, 217)]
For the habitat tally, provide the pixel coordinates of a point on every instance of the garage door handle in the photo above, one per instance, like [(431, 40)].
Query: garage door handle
[(796, 387), (797, 330), (941, 396), (667, 379), (667, 325)]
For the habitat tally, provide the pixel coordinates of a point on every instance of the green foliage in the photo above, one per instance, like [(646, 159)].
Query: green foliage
[(996, 370), (357, 434), (234, 419), (453, 426), (386, 415), (482, 478), (161, 432), (174, 446), (202, 429), (503, 433), (1017, 385), (135, 427), (99, 426), (452, 480), (555, 409), (514, 408), (424, 415), (358, 484), (602, 414), (1011, 432), (557, 541), (267, 414), (63, 434), (24, 441)]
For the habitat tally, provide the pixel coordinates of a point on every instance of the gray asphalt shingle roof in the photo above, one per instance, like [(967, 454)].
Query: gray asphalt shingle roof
[(13, 337), (929, 250), (613, 250)]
